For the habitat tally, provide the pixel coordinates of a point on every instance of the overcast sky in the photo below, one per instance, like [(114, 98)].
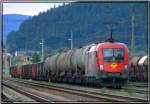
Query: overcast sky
[(27, 8)]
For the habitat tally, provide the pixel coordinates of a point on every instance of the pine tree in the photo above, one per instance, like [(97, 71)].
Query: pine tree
[(35, 58)]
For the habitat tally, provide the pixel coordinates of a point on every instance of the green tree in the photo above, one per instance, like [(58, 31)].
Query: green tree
[(35, 58)]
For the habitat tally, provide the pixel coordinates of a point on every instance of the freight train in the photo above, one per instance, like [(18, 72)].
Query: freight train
[(103, 64)]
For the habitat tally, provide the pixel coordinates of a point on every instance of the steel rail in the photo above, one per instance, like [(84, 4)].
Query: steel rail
[(109, 97), (30, 95), (106, 99)]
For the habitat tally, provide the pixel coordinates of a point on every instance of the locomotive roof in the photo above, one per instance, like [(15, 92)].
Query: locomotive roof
[(113, 43), (109, 43)]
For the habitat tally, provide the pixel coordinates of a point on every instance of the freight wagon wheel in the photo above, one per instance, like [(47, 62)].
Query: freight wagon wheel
[(118, 86), (89, 81), (58, 79), (82, 80), (71, 80), (86, 81), (99, 83), (142, 74), (145, 73), (53, 79), (65, 80), (77, 80)]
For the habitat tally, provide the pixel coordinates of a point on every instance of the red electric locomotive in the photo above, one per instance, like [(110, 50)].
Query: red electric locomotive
[(108, 63)]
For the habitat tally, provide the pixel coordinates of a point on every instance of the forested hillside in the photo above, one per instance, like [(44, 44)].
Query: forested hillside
[(88, 23), (12, 22)]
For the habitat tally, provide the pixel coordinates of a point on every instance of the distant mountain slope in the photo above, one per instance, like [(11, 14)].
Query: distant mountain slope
[(12, 22), (87, 22)]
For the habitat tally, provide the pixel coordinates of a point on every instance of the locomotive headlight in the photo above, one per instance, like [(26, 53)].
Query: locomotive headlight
[(101, 67), (126, 67)]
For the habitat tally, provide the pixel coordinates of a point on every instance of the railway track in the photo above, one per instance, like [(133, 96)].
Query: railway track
[(28, 94), (141, 90), (137, 90), (59, 90), (131, 88), (5, 98), (136, 84), (91, 94)]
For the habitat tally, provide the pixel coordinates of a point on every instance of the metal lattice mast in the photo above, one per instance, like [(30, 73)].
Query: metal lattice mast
[(42, 56), (133, 35), (71, 39)]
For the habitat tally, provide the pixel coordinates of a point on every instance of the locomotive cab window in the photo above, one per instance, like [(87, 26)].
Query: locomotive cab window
[(114, 54)]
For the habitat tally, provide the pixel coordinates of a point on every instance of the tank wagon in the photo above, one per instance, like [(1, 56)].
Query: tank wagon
[(138, 69), (103, 64)]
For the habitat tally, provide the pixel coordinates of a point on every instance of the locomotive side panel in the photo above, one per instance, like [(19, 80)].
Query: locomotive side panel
[(91, 62)]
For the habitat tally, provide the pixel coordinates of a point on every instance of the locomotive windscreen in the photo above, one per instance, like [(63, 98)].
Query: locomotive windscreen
[(113, 54)]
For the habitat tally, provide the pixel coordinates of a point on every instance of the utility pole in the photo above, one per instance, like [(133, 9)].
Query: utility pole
[(42, 56), (133, 36), (71, 40)]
